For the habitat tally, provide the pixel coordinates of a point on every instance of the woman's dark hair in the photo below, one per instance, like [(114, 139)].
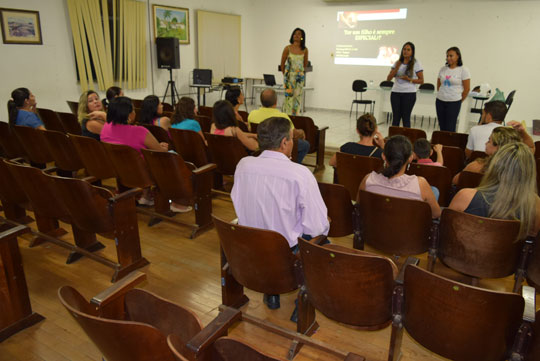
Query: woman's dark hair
[(185, 109), (111, 93), (18, 96), (397, 151), (303, 41), (232, 95), (366, 125), (149, 109), (223, 115), (119, 110), (458, 52), (410, 65)]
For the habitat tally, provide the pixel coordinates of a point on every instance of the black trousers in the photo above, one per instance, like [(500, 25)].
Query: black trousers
[(402, 106), (447, 113)]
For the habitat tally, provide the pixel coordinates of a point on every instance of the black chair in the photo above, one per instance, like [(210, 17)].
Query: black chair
[(427, 87), (386, 84), (509, 100), (359, 86)]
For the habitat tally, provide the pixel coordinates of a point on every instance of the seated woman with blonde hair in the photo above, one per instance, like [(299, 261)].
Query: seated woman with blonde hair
[(224, 123), (507, 190), (91, 114), (393, 181)]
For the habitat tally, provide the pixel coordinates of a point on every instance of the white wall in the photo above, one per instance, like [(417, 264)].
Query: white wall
[(497, 39)]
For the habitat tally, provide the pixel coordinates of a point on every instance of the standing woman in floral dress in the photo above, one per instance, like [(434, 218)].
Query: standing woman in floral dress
[(293, 62)]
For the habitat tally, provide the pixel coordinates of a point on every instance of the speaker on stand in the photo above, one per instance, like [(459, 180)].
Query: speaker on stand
[(168, 56)]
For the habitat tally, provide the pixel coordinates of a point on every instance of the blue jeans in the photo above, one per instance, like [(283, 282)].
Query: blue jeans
[(447, 113), (303, 149), (402, 106), (436, 192)]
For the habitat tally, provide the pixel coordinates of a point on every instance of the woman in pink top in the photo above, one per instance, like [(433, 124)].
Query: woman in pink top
[(393, 181), (224, 123), (117, 130)]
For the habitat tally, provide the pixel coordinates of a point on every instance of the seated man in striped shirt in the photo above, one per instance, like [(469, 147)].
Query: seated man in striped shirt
[(272, 192)]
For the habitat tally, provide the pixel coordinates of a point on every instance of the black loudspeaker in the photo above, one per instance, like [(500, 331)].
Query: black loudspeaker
[(168, 53)]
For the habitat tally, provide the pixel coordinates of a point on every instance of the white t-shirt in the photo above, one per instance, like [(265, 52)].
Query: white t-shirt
[(404, 86), (452, 83), (479, 135)]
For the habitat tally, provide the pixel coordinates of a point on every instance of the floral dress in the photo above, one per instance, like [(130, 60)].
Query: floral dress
[(294, 83)]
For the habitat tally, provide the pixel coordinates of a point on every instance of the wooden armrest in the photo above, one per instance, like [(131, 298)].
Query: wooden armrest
[(217, 328), (529, 296), (204, 169), (408, 261), (90, 179), (18, 160), (318, 240), (118, 289), (14, 232), (354, 357), (323, 129), (127, 194), (50, 170), (191, 166)]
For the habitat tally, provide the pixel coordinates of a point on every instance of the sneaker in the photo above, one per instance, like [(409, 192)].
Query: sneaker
[(180, 208), (271, 301), (145, 202)]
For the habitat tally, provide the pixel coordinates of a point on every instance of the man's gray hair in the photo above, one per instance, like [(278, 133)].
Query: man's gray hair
[(271, 132), (268, 98)]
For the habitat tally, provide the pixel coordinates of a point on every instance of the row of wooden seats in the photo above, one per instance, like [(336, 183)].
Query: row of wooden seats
[(59, 121), (475, 246), (364, 290), (167, 172)]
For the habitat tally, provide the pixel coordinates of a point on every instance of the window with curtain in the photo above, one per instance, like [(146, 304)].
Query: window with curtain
[(109, 42)]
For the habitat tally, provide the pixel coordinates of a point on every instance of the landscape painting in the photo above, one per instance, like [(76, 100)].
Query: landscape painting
[(20, 26), (171, 22)]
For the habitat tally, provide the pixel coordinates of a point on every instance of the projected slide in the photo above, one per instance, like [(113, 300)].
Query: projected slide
[(369, 37)]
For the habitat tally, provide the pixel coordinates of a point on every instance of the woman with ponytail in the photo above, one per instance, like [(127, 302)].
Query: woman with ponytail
[(22, 109), (393, 181)]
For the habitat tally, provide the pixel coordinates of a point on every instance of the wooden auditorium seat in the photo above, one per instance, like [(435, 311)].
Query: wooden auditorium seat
[(50, 119), (205, 122), (9, 142), (167, 107), (190, 146), (451, 139), (477, 154), (70, 123), (35, 145), (411, 133), (16, 311), (480, 247), (469, 179), (351, 169), (454, 159), (315, 136), (14, 200), (533, 267), (436, 176), (95, 159), (160, 134), (340, 209), (458, 321), (380, 222), (65, 156), (73, 106), (177, 181), (206, 111), (225, 152)]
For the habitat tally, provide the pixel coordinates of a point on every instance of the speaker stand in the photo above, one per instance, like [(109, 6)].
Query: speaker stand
[(174, 92)]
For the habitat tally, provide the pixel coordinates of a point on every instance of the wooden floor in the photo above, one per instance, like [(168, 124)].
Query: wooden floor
[(185, 271)]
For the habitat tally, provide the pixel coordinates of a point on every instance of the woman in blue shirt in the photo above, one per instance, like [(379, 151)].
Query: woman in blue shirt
[(184, 116), (22, 109)]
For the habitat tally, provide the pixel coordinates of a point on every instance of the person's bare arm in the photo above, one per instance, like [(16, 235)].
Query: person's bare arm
[(284, 58), (94, 126), (462, 199), (522, 133), (466, 88), (438, 149), (438, 83), (393, 71), (333, 161), (150, 142), (98, 114), (428, 196), (305, 58), (248, 142)]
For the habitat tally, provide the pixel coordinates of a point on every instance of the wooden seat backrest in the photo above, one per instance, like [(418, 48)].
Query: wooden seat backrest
[(411, 133), (137, 103), (63, 151), (88, 205), (9, 142), (226, 152), (95, 159), (50, 120), (458, 321), (206, 111), (10, 188), (436, 176), (537, 149), (259, 259), (533, 269), (160, 134), (340, 209), (190, 146), (167, 107), (205, 122), (451, 139), (477, 154), (171, 174), (73, 106), (348, 286), (39, 189), (384, 227), (235, 350), (253, 127), (478, 246), (534, 345), (70, 123), (129, 165), (309, 127), (244, 115), (469, 179), (351, 169), (34, 144), (118, 340), (454, 159)]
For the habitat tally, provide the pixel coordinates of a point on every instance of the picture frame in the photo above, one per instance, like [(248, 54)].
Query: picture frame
[(20, 26), (171, 22)]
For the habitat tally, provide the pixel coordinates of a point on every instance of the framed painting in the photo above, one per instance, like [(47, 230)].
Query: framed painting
[(20, 26), (171, 22)]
